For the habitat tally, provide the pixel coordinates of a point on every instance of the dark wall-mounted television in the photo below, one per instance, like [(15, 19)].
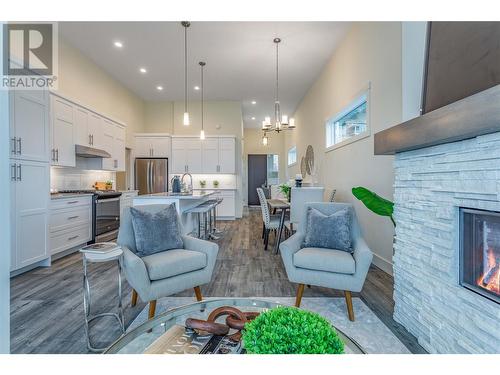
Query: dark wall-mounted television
[(462, 59)]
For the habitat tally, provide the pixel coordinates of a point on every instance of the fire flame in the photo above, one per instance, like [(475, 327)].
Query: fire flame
[(490, 279)]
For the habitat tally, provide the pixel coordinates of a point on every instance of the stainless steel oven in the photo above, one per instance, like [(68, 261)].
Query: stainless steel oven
[(106, 216)]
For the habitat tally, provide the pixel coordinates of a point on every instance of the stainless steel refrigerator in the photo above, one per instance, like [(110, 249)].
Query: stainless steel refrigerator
[(151, 175)]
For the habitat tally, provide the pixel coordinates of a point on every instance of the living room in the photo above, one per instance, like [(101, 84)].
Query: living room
[(300, 186)]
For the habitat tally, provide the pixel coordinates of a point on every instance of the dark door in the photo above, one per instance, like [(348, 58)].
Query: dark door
[(257, 176)]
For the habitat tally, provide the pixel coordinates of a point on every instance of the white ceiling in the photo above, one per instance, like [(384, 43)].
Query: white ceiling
[(240, 58)]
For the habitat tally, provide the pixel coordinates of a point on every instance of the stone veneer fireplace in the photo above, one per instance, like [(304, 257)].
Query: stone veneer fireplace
[(447, 199)]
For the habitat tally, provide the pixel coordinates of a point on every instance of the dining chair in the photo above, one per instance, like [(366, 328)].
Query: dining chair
[(270, 222)]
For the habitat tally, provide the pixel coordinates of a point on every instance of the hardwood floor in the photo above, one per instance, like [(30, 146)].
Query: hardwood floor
[(47, 307)]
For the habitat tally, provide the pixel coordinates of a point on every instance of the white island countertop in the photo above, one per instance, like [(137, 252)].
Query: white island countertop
[(198, 194), (183, 203)]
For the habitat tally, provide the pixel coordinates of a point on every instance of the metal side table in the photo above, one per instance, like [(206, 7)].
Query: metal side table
[(89, 257)]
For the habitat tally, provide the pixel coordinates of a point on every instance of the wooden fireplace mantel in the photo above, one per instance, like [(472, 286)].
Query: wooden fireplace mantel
[(470, 117)]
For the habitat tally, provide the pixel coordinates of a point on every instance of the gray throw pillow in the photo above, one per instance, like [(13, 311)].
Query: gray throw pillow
[(157, 232), (328, 232)]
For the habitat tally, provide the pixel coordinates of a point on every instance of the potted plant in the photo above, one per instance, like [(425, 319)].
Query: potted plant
[(289, 330), (286, 190), (374, 202), (109, 185), (216, 184), (203, 183)]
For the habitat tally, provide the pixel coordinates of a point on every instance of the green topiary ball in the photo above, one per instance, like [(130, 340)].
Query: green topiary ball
[(288, 330)]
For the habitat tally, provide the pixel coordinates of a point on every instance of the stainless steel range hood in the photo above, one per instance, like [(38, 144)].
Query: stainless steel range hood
[(90, 152)]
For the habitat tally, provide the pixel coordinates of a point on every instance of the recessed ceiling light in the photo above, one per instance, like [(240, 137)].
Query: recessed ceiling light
[(159, 88), (197, 87), (254, 102), (143, 70), (253, 118), (118, 44)]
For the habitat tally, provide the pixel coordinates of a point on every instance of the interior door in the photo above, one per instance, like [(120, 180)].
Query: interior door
[(257, 175)]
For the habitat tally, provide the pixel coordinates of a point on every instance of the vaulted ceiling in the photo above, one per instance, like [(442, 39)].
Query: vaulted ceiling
[(240, 59)]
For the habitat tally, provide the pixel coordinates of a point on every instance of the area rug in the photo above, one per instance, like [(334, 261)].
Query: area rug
[(367, 330)]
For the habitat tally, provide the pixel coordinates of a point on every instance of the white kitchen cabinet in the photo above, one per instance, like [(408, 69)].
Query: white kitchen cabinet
[(227, 208), (88, 128), (210, 155), (227, 155), (30, 199), (62, 132), (114, 143), (29, 125), (157, 146), (186, 155), (70, 223)]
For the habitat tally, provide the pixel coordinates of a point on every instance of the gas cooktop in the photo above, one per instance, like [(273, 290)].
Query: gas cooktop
[(90, 191)]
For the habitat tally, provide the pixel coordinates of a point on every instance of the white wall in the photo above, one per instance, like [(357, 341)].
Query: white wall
[(82, 80), (370, 53), (4, 217)]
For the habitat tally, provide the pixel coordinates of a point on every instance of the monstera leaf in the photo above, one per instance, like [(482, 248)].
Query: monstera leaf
[(374, 202)]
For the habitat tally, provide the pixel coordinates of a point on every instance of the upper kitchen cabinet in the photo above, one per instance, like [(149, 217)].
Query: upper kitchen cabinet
[(186, 155), (114, 143), (29, 125), (152, 146), (89, 130), (62, 132), (227, 155), (210, 155)]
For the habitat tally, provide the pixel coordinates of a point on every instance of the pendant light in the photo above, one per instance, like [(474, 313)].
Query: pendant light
[(281, 122), (202, 132), (185, 119), (265, 140)]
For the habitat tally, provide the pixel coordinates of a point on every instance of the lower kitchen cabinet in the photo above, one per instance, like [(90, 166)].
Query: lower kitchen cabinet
[(70, 223), (227, 208)]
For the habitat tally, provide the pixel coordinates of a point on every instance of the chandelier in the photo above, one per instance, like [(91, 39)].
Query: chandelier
[(280, 122)]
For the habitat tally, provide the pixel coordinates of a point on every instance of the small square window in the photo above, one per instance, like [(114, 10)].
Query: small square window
[(292, 155), (349, 125)]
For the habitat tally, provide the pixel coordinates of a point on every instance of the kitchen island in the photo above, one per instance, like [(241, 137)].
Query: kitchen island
[(183, 202)]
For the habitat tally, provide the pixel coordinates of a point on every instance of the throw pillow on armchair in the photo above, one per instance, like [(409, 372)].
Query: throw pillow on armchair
[(157, 232), (328, 231)]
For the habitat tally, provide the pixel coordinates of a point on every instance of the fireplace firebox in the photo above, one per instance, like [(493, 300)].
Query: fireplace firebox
[(480, 252)]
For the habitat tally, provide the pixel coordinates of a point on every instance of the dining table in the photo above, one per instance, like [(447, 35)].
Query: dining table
[(283, 206)]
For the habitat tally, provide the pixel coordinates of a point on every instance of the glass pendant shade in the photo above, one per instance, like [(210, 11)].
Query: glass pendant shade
[(265, 140), (284, 120), (185, 120), (202, 134), (291, 124)]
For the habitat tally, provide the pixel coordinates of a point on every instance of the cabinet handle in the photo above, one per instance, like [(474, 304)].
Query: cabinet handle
[(19, 176), (72, 202), (13, 171), (57, 154), (14, 145), (73, 217), (20, 146), (90, 139), (73, 238)]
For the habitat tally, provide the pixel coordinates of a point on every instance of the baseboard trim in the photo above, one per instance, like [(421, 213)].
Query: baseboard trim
[(382, 263)]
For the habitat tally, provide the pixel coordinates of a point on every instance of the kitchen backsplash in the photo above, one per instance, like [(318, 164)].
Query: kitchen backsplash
[(74, 178), (226, 181)]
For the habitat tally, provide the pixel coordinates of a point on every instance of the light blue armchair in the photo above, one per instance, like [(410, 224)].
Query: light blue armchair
[(166, 273), (328, 268)]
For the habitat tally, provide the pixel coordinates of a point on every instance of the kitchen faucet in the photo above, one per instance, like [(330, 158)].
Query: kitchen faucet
[(190, 189)]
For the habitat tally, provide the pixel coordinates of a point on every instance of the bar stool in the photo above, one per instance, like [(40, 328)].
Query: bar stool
[(201, 210)]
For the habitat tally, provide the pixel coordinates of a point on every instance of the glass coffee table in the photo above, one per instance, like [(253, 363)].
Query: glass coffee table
[(166, 333)]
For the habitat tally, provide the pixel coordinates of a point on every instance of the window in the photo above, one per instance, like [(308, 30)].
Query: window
[(273, 167), (349, 125), (292, 155)]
